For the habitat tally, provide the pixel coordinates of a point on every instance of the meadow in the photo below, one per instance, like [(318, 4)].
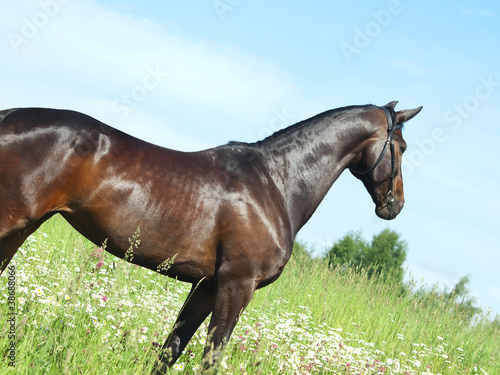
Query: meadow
[(80, 310)]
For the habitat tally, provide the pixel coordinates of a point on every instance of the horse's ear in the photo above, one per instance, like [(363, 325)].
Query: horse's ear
[(391, 105), (407, 114)]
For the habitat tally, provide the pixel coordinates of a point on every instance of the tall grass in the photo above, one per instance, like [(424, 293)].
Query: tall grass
[(83, 311)]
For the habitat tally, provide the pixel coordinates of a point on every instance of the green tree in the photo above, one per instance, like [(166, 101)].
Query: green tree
[(463, 301), (349, 250), (385, 255), (458, 300)]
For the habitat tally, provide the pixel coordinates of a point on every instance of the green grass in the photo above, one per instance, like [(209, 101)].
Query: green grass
[(83, 311)]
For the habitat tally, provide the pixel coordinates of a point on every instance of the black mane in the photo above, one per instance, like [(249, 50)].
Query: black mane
[(282, 133), (333, 113)]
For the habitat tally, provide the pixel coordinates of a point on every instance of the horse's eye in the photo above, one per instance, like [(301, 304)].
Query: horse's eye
[(402, 149)]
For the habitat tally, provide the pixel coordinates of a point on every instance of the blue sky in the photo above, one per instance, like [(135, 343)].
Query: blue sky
[(195, 74)]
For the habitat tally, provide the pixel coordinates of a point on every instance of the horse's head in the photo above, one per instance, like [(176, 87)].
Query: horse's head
[(378, 161)]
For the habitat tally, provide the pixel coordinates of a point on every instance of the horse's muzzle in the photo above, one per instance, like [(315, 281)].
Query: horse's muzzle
[(389, 208)]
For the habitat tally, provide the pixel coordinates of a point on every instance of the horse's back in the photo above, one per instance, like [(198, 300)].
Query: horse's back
[(39, 116), (192, 205), (4, 113)]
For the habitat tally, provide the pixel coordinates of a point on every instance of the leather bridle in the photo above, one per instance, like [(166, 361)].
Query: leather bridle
[(391, 128)]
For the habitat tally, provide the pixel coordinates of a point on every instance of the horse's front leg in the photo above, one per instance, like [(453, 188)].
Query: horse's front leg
[(198, 305), (233, 296), (10, 243)]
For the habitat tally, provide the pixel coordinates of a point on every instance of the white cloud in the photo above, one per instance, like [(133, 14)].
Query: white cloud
[(83, 54)]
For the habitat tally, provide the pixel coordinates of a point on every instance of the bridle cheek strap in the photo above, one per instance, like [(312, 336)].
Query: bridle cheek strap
[(390, 142)]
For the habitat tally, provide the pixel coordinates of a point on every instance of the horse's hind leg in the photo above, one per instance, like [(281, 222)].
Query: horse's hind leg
[(233, 296), (198, 305), (11, 243)]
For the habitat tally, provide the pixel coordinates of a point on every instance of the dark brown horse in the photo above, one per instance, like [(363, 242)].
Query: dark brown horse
[(227, 216)]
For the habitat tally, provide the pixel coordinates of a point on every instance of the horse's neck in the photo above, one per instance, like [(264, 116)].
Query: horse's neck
[(306, 161)]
